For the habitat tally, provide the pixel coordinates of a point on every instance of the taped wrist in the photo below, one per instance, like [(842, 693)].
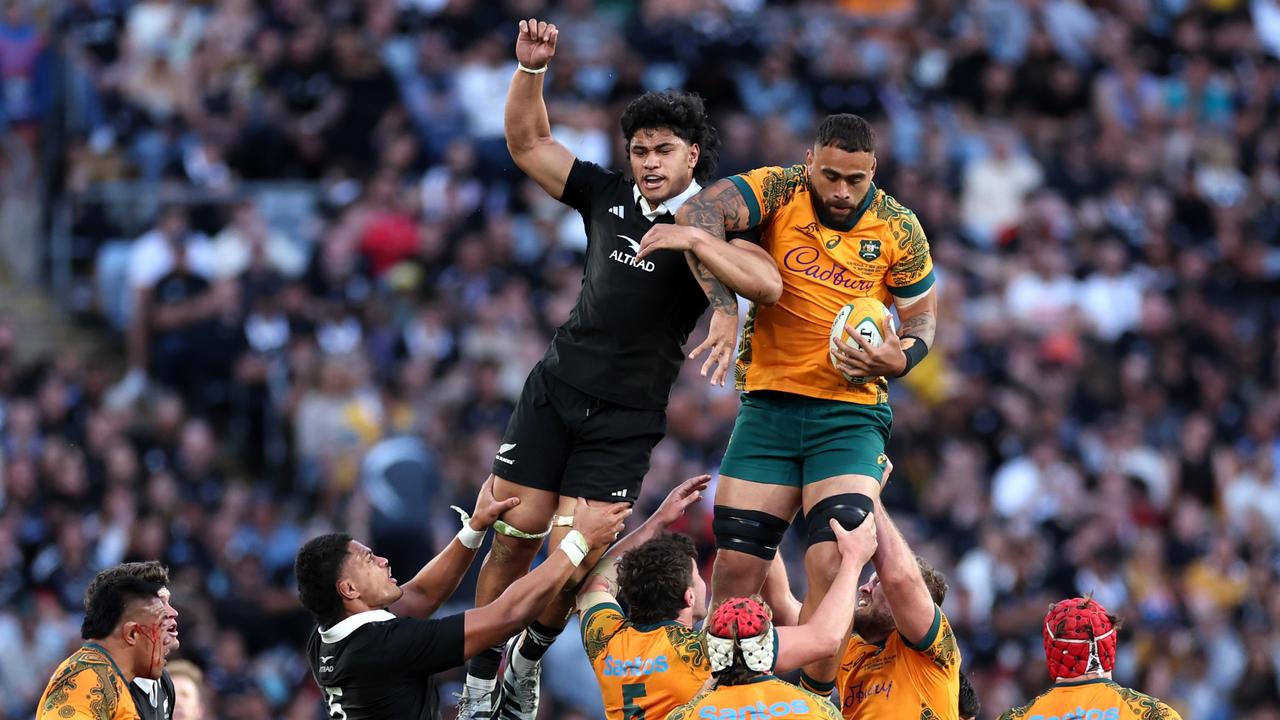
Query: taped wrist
[(848, 509), (575, 546), (470, 538), (915, 353)]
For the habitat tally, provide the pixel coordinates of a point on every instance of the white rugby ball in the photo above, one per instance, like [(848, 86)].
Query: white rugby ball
[(870, 319)]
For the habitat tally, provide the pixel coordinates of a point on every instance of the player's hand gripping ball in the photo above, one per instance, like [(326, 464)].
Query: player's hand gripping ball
[(867, 317)]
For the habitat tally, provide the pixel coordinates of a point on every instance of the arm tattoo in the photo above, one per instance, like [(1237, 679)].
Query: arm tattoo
[(923, 326), (722, 299), (716, 209)]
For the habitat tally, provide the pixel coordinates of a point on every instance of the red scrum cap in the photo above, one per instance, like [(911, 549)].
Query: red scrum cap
[(743, 624), (1079, 638)]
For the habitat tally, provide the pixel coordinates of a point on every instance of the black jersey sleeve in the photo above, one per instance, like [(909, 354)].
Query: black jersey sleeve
[(586, 183), (424, 646)]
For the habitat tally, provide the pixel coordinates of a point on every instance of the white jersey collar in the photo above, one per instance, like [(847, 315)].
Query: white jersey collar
[(341, 630), (671, 205)]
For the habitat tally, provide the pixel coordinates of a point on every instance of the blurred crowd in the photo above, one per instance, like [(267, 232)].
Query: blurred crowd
[(1099, 180)]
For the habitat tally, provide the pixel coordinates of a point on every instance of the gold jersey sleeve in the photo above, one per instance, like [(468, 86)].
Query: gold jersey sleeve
[(765, 697), (87, 686), (1099, 699), (901, 680), (644, 671), (883, 254)]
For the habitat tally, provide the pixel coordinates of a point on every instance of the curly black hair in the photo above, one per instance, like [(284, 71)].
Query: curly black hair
[(654, 576), (685, 115), (108, 604), (317, 567), (151, 571), (847, 132), (970, 706)]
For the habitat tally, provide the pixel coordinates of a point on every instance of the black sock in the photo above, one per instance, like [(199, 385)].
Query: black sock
[(537, 639), (817, 687), (485, 665)]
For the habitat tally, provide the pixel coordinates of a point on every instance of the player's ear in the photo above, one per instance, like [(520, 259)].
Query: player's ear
[(347, 589), (695, 152), (689, 597), (808, 160), (873, 166), (129, 632)]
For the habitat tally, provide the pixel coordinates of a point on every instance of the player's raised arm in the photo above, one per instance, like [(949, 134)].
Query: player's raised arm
[(525, 122), (898, 573), (519, 604), (824, 634), (436, 582), (602, 584)]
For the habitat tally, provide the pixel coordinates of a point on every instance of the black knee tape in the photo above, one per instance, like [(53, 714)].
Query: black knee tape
[(748, 531), (849, 509)]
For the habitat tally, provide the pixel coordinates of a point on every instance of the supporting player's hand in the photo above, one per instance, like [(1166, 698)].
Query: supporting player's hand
[(721, 342), (489, 508), (679, 499), (862, 360), (666, 236), (601, 523), (856, 545), (536, 43)]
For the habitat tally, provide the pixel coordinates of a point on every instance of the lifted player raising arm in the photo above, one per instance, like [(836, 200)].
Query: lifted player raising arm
[(548, 163), (593, 408)]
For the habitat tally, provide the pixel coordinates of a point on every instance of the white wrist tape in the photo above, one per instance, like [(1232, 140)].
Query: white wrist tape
[(530, 70), (575, 546), (470, 538)]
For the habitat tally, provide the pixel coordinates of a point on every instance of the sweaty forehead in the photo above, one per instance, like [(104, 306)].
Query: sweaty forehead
[(148, 609), (652, 137), (830, 157)]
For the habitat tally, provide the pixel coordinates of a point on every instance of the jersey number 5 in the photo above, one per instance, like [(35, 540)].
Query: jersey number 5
[(631, 711), (331, 698)]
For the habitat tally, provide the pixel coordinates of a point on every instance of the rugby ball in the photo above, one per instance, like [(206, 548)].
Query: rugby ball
[(867, 317)]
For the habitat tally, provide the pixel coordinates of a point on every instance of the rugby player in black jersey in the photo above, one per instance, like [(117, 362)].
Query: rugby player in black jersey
[(372, 664), (594, 407)]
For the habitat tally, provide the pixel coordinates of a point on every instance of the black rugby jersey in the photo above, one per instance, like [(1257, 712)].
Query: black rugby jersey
[(376, 666), (623, 341), (153, 698)]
